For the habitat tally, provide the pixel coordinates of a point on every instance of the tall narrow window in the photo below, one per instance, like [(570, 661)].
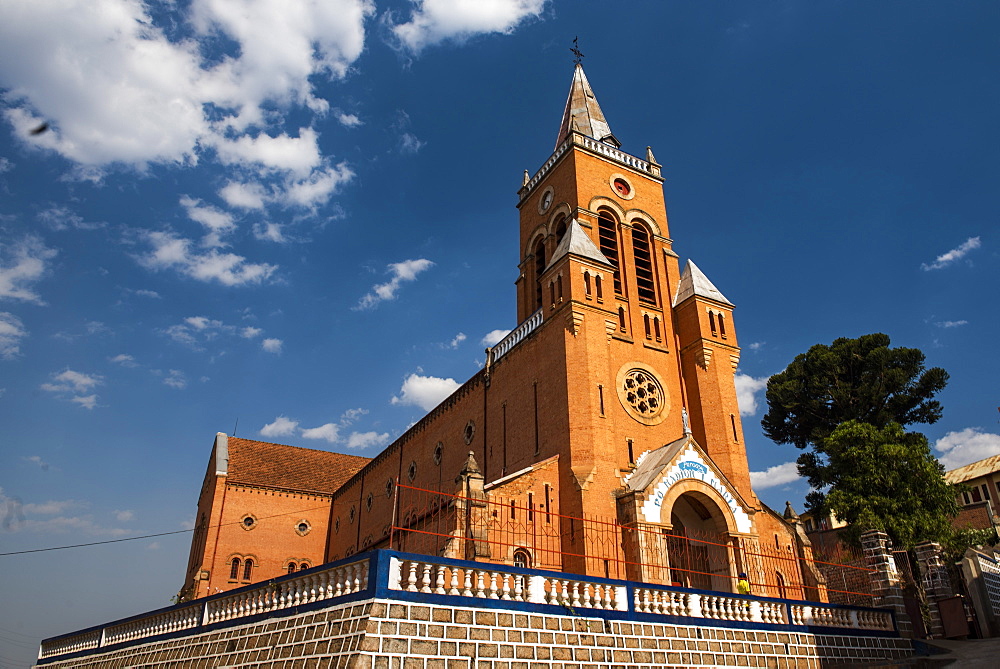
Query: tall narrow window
[(600, 288), (722, 325), (645, 323), (531, 508), (552, 293), (711, 322), (631, 453), (586, 283), (782, 591), (513, 510), (644, 278), (234, 569), (607, 234), (548, 510), (291, 567), (539, 268), (559, 288), (621, 318), (303, 566), (247, 569), (600, 397), (522, 559), (560, 229), (732, 419), (656, 327)]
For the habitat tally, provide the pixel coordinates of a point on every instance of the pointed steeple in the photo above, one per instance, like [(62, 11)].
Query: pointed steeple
[(577, 242), (694, 282), (583, 114)]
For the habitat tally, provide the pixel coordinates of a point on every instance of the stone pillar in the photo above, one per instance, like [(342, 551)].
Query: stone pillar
[(469, 538), (886, 583), (935, 581)]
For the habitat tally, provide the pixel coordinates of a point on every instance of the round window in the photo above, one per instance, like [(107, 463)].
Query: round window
[(248, 522), (641, 394), (411, 472), (469, 432), (368, 502), (390, 486), (438, 453)]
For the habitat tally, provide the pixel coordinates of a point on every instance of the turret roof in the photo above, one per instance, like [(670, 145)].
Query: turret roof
[(582, 112), (577, 242), (694, 282)]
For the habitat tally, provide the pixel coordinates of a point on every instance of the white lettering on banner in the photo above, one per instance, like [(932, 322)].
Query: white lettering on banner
[(691, 466)]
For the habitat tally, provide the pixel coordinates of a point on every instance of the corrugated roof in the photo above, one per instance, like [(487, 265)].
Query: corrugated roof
[(279, 466), (974, 470)]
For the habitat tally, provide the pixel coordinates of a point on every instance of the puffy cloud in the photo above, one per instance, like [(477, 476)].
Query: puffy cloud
[(458, 339), (86, 401), (124, 359), (351, 415), (425, 392), (966, 446), (173, 96), (747, 388), (69, 381), (433, 21), (196, 331), (272, 345), (347, 120), (951, 324), (401, 272), (367, 439), (250, 332), (330, 432), (172, 252), (775, 476), (23, 264), (61, 218), (281, 427), (299, 155), (243, 195), (953, 255), (217, 222), (493, 337), (11, 333), (410, 144)]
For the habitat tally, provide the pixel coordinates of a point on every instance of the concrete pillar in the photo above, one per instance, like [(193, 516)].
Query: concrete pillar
[(935, 581), (886, 583)]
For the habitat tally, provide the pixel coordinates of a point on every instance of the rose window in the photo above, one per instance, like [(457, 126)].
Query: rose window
[(643, 393)]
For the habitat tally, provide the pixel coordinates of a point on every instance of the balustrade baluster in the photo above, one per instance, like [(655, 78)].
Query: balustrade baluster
[(504, 577), (479, 583), (519, 588), (425, 580), (467, 591), (453, 584), (439, 583), (411, 579)]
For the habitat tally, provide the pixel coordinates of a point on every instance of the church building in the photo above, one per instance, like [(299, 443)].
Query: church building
[(602, 436)]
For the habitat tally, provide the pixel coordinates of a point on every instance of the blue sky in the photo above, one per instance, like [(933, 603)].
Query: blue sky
[(304, 221)]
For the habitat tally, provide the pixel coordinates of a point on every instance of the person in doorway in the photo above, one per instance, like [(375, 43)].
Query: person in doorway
[(743, 585)]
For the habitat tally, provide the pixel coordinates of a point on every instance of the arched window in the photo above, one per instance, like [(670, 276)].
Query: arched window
[(559, 287), (560, 229), (782, 591), (645, 323), (291, 567), (552, 293), (722, 325), (711, 322), (522, 558), (303, 566), (539, 268), (644, 278), (234, 569), (586, 283), (607, 234), (600, 288), (247, 569), (656, 327), (621, 318)]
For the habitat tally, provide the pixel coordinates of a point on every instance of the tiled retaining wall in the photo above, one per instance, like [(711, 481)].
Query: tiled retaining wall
[(375, 627)]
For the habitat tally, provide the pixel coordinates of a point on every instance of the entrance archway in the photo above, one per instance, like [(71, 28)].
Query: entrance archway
[(698, 547)]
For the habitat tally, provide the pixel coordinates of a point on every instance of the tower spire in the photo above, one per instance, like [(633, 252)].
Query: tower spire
[(583, 114)]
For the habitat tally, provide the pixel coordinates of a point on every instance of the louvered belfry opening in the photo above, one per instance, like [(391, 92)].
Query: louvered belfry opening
[(608, 238), (643, 265)]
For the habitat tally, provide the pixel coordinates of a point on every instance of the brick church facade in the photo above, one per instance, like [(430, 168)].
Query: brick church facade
[(614, 399)]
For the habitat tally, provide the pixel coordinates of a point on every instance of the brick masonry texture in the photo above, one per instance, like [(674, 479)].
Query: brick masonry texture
[(383, 634)]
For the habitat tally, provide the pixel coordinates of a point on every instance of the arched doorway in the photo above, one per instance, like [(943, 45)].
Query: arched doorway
[(697, 543)]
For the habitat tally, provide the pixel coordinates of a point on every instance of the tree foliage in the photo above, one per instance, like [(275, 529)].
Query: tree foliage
[(861, 380), (887, 479)]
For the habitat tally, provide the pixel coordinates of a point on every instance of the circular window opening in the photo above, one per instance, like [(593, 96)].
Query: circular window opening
[(354, 512), (336, 527), (411, 472), (438, 453), (248, 522), (469, 432), (368, 502), (303, 527), (390, 486), (622, 187)]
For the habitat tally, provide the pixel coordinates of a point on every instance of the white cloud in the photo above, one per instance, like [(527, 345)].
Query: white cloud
[(787, 472), (299, 155), (757, 345), (410, 144), (11, 333), (347, 120), (37, 460), (281, 427), (401, 272), (966, 446), (951, 324), (124, 359), (18, 517), (433, 21), (86, 401), (494, 337), (272, 345), (425, 392), (953, 255), (243, 195), (61, 218), (22, 264), (147, 293), (124, 516), (250, 332), (52, 507), (216, 221), (176, 379), (174, 95), (352, 415), (367, 439), (330, 432), (229, 269), (69, 381), (459, 338), (315, 189), (5, 165), (747, 388)]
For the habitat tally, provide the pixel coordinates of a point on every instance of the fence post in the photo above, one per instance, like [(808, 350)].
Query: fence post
[(886, 586), (935, 581)]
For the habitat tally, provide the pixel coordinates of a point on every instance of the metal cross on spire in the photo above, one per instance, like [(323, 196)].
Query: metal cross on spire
[(575, 50)]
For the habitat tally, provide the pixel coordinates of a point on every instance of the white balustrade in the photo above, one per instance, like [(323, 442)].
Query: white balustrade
[(515, 336), (440, 579), (71, 644)]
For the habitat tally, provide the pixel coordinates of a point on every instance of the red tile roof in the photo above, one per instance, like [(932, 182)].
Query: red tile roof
[(278, 466)]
